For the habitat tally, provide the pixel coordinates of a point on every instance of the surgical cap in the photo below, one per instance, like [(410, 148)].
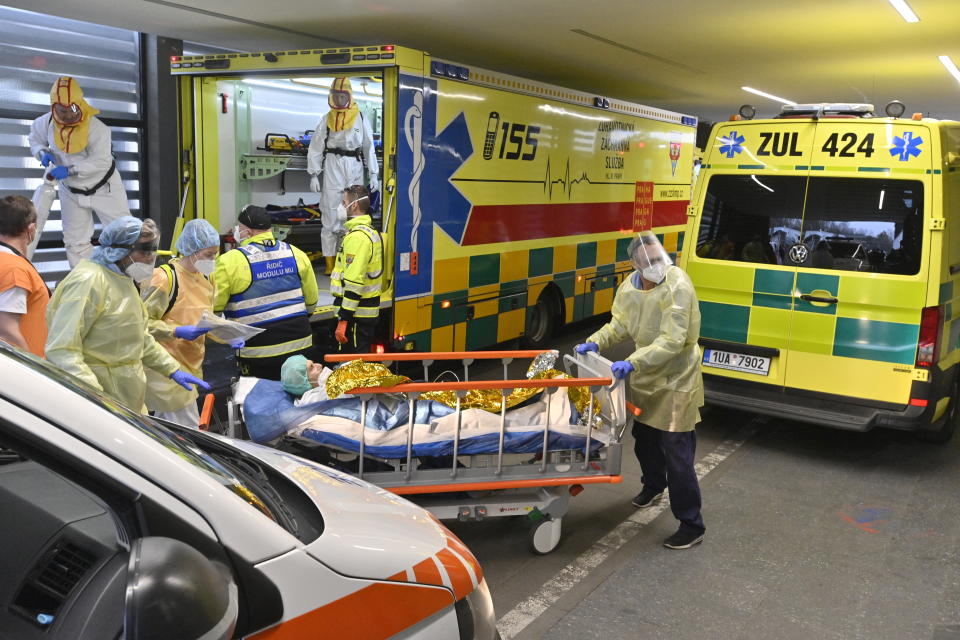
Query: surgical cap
[(125, 230), (197, 235), (293, 376)]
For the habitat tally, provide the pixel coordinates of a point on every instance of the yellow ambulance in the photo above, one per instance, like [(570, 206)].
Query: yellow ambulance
[(508, 204), (825, 248)]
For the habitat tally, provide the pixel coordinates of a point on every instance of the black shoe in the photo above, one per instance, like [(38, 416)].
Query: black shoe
[(647, 498), (683, 540)]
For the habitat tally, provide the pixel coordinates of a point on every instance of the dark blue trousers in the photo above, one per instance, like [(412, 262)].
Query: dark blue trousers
[(666, 460)]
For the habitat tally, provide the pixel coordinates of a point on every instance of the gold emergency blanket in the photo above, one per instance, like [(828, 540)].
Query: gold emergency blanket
[(490, 399), (358, 374)]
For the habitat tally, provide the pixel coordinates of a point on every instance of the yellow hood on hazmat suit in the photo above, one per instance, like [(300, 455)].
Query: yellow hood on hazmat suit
[(70, 137), (340, 118)]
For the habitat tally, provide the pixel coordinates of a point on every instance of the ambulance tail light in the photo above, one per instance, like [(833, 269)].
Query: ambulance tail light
[(928, 346)]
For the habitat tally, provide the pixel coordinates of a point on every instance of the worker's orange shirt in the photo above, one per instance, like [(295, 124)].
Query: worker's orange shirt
[(16, 271)]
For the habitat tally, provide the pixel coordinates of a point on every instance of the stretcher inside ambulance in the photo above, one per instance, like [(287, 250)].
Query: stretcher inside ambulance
[(107, 513)]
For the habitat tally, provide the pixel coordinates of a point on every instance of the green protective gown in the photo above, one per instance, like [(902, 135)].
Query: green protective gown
[(97, 331), (664, 324)]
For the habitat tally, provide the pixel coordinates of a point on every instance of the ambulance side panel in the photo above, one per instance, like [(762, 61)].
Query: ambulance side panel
[(508, 191)]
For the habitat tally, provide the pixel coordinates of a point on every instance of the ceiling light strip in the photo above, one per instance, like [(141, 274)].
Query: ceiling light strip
[(767, 95), (951, 66), (904, 10)]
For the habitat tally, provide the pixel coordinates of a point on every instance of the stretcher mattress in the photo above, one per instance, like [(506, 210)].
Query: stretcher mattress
[(269, 413)]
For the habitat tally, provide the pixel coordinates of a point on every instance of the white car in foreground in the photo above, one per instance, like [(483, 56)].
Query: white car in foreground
[(116, 526)]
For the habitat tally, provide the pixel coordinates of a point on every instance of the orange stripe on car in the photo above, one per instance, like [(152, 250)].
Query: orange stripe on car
[(379, 610), (459, 577), (426, 572)]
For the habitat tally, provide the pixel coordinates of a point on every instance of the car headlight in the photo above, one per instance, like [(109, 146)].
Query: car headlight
[(475, 615)]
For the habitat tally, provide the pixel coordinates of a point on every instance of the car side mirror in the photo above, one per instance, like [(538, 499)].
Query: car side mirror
[(173, 591)]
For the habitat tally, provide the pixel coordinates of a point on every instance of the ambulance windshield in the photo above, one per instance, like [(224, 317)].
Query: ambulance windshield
[(848, 224)]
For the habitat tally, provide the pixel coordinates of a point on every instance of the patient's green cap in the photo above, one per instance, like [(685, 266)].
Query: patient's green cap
[(293, 376)]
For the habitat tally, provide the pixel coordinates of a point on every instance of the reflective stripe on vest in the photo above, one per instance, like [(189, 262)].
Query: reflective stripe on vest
[(271, 350), (377, 245), (275, 289)]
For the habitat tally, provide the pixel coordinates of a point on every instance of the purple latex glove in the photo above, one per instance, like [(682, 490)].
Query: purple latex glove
[(185, 379), (587, 346), (621, 369), (189, 332), (59, 173)]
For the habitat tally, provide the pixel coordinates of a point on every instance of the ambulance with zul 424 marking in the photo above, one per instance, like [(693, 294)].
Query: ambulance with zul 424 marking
[(824, 245)]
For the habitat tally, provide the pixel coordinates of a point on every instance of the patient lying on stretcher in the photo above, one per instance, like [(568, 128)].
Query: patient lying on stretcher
[(311, 402), (304, 379)]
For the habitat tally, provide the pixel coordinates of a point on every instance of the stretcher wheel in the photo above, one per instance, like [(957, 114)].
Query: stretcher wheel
[(545, 535)]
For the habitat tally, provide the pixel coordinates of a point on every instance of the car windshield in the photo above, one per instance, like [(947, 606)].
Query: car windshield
[(849, 224), (170, 440)]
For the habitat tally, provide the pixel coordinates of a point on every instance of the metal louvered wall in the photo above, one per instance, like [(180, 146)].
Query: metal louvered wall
[(35, 49)]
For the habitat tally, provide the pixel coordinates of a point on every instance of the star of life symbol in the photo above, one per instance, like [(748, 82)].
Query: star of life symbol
[(731, 145), (798, 253), (906, 146)]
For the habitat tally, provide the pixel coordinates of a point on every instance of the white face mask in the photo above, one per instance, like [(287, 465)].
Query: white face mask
[(342, 208), (139, 271), (238, 234), (205, 267), (654, 273)]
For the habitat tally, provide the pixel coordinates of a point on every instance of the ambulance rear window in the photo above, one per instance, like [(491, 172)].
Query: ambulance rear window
[(846, 224)]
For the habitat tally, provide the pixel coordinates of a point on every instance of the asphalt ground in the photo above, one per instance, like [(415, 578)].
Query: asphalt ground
[(811, 533)]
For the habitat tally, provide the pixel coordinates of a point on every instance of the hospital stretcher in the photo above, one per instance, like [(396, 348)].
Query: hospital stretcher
[(511, 468)]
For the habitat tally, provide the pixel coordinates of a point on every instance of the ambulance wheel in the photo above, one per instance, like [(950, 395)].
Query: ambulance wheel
[(543, 319), (545, 535), (942, 431)]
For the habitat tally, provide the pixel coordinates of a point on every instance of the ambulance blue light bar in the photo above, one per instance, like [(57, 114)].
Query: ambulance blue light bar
[(690, 121), (449, 70)]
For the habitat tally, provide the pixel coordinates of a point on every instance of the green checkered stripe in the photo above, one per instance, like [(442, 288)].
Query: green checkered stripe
[(951, 315), (861, 338)]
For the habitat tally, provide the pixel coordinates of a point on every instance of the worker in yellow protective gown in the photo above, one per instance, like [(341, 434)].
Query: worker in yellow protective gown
[(97, 324), (179, 293), (657, 308)]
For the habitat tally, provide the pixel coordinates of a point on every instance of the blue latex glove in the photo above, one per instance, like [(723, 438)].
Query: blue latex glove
[(189, 332), (587, 346), (621, 369), (59, 173), (237, 344), (184, 379), (46, 159)]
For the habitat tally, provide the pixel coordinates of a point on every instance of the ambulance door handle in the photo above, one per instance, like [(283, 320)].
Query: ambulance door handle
[(810, 298)]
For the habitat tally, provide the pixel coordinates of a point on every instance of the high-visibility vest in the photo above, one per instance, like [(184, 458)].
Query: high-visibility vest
[(356, 287), (274, 301)]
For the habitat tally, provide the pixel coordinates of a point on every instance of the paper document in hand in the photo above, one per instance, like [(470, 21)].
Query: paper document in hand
[(224, 330)]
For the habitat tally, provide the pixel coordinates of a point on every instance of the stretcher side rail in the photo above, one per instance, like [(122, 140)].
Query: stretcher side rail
[(428, 358), (502, 476)]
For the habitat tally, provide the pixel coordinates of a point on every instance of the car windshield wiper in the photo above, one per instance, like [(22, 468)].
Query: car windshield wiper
[(252, 475)]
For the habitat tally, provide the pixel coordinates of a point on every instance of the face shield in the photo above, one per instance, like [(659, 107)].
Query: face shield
[(649, 257), (67, 114), (340, 99)]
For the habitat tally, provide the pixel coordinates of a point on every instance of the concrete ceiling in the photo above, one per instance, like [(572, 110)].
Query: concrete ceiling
[(687, 55)]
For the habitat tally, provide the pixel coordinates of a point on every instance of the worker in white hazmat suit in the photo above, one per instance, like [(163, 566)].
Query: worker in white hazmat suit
[(76, 149), (340, 148), (657, 308)]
